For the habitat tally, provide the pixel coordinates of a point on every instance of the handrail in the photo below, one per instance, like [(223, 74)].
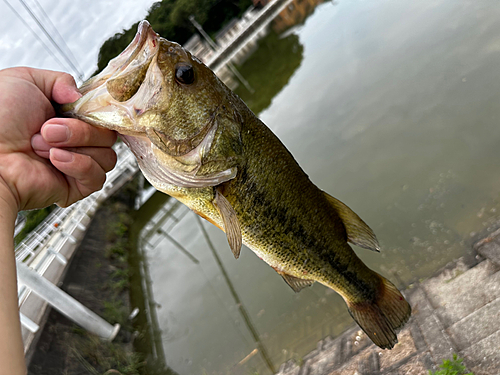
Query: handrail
[(37, 252)]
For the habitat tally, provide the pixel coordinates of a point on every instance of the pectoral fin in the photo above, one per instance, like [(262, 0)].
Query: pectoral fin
[(358, 232), (231, 224), (295, 283)]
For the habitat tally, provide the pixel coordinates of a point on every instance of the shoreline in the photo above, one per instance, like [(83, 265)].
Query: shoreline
[(455, 311)]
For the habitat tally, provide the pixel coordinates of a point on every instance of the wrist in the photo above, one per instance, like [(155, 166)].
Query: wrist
[(8, 203), (11, 345)]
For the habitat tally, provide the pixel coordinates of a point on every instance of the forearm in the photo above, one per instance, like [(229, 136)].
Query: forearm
[(11, 346)]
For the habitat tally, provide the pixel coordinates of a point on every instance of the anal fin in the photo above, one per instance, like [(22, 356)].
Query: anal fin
[(358, 232), (296, 283), (231, 223)]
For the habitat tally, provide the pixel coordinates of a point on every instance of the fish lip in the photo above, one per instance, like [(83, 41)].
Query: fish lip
[(94, 89), (144, 34)]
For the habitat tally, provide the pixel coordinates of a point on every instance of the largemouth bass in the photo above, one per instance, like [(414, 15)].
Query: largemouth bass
[(197, 141)]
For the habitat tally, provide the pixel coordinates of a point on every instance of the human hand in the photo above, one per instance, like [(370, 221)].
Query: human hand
[(45, 160)]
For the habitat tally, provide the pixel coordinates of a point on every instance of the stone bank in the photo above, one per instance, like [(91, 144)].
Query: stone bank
[(456, 311)]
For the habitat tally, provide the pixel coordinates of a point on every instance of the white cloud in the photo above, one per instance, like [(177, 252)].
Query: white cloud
[(84, 25)]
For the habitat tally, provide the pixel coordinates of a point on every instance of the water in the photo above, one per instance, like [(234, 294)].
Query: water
[(390, 106)]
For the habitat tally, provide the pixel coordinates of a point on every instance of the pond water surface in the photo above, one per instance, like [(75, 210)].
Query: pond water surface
[(391, 107)]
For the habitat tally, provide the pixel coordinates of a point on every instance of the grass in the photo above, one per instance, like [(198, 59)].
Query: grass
[(100, 357), (451, 367), (33, 218), (97, 356), (457, 273), (115, 311), (103, 357), (120, 280)]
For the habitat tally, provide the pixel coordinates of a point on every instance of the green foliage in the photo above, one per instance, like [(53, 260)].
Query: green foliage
[(33, 218), (451, 367), (269, 69), (117, 230), (170, 19), (117, 249), (120, 280), (103, 357), (115, 311)]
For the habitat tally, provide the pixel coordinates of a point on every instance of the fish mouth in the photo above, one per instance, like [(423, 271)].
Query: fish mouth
[(124, 90), (145, 40)]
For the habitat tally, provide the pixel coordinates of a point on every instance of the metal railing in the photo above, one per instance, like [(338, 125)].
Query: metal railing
[(46, 250), (248, 30)]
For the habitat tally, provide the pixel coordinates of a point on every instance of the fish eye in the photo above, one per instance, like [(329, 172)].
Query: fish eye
[(184, 73)]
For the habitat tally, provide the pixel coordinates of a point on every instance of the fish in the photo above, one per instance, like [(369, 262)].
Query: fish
[(197, 141)]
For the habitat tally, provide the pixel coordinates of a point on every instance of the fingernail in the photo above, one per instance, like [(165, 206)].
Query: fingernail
[(75, 94), (60, 155), (55, 133)]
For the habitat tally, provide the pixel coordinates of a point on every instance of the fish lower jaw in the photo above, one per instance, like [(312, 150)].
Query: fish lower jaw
[(99, 108), (110, 116)]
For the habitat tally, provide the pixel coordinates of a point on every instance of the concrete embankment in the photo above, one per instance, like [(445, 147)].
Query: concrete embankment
[(456, 311)]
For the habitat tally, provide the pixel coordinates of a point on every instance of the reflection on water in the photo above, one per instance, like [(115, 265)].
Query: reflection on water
[(390, 106), (239, 303), (269, 69)]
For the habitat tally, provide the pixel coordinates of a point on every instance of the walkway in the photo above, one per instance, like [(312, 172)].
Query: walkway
[(457, 311)]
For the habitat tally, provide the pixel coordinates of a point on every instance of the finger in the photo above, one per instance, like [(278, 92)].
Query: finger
[(104, 156), (64, 89), (56, 86), (69, 132), (40, 147), (88, 174)]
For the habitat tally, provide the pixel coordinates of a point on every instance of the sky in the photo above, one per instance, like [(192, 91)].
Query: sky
[(84, 25)]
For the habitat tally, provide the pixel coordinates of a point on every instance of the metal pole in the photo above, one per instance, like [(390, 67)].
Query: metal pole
[(212, 44), (28, 323), (242, 79), (66, 304)]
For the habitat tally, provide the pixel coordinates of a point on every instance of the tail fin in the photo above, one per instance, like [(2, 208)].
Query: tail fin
[(382, 317)]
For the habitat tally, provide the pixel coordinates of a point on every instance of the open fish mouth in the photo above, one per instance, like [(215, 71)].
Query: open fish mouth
[(142, 48), (125, 89)]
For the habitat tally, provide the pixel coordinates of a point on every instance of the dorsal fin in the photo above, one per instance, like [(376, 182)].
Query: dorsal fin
[(230, 220), (294, 282), (358, 232)]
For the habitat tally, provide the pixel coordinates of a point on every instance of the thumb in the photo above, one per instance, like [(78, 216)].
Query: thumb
[(56, 86), (64, 90)]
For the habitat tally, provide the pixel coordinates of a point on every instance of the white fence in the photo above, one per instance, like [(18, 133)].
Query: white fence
[(46, 250)]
